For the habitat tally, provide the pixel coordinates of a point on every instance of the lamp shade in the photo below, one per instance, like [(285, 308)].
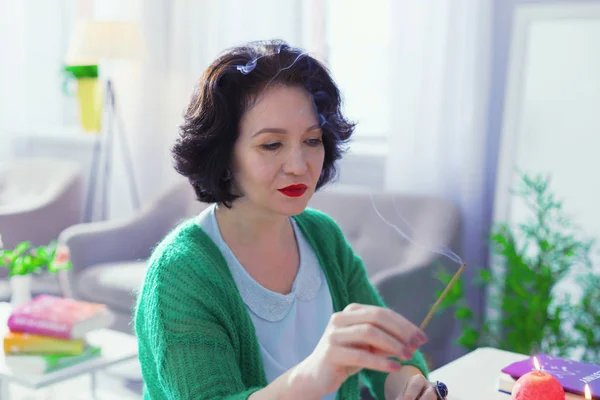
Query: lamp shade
[(94, 41)]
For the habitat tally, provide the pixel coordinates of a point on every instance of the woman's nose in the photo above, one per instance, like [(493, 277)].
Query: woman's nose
[(295, 163)]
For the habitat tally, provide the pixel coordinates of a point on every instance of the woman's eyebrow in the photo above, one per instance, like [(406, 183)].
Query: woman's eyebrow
[(281, 130)]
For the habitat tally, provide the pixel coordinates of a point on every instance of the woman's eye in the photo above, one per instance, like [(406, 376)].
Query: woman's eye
[(271, 146), (314, 142)]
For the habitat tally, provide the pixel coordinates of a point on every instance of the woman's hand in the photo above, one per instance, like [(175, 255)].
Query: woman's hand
[(419, 388), (359, 337)]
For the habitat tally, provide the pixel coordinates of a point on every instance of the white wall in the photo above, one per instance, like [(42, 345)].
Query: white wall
[(559, 122)]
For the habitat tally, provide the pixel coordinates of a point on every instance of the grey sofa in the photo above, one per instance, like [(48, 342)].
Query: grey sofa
[(109, 257)]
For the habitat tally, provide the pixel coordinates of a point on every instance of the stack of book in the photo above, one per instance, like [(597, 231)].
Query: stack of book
[(48, 333), (571, 374)]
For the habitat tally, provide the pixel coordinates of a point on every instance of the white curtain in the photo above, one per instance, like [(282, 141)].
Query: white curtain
[(441, 53), (182, 37), (32, 44)]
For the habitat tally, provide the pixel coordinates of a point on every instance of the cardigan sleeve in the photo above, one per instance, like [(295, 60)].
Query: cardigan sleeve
[(361, 291), (199, 369), (184, 351)]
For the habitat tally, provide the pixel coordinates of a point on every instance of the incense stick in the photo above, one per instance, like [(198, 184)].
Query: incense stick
[(439, 300)]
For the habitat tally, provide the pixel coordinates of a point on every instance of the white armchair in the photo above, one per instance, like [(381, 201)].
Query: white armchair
[(39, 198)]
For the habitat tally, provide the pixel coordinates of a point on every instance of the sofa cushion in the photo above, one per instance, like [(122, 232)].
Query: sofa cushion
[(114, 284)]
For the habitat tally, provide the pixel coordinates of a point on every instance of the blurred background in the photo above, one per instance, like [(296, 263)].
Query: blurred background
[(454, 99)]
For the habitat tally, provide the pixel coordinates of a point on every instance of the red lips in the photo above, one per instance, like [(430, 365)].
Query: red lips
[(294, 190)]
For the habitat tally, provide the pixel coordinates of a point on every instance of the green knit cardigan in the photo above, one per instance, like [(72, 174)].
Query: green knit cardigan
[(196, 338)]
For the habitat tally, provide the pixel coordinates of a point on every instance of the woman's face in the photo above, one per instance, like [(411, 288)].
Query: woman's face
[(278, 156)]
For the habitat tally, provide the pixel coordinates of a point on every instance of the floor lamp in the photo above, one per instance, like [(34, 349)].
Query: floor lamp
[(101, 42)]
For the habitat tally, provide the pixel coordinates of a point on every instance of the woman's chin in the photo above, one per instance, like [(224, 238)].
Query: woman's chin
[(295, 207)]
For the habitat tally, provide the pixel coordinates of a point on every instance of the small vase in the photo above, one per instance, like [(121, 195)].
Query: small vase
[(21, 289), (89, 94)]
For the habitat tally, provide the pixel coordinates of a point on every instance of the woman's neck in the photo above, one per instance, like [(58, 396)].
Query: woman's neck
[(252, 227)]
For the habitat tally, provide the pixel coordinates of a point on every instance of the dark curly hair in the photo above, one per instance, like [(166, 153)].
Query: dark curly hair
[(227, 89)]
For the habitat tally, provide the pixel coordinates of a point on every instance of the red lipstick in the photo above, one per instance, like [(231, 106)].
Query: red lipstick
[(294, 190)]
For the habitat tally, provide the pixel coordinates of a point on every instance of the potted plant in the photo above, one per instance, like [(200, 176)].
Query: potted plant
[(25, 260), (526, 312)]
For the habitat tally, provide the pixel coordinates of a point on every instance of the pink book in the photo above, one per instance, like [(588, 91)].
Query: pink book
[(59, 317)]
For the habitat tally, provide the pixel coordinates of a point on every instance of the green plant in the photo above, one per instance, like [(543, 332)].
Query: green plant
[(25, 259), (587, 317), (527, 312)]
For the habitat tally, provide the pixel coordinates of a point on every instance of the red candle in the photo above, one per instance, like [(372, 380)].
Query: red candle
[(537, 385)]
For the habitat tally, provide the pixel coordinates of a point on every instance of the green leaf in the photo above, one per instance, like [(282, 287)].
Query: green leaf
[(500, 239), (485, 275), (6, 258), (42, 253), (18, 268), (21, 248), (463, 313), (469, 338), (53, 267)]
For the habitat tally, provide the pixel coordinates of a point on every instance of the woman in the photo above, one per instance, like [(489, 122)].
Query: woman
[(257, 297)]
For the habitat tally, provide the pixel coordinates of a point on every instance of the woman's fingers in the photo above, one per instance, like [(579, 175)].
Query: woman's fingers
[(419, 388), (371, 338), (393, 323), (429, 394), (358, 358)]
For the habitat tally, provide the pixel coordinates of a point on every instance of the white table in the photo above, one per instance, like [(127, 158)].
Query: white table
[(474, 376), (117, 347)]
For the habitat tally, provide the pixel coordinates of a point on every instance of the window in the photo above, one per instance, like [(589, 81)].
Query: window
[(357, 39)]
